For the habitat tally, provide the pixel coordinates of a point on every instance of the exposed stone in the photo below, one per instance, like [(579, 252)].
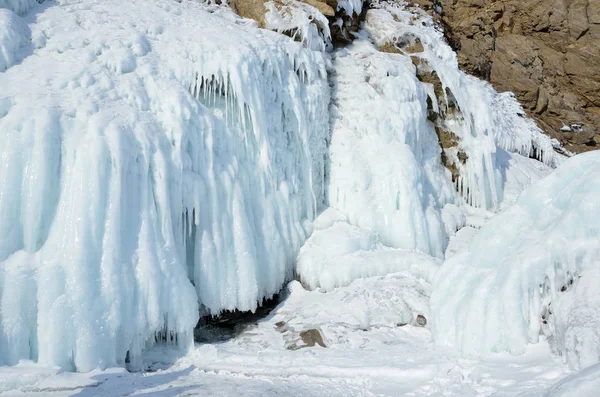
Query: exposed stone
[(323, 7), (251, 9), (312, 337), (546, 51), (421, 320)]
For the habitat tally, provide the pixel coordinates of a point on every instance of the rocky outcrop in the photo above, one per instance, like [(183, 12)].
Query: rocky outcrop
[(545, 51), (341, 24)]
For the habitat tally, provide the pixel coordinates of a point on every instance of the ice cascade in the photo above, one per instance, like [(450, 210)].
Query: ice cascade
[(142, 161)]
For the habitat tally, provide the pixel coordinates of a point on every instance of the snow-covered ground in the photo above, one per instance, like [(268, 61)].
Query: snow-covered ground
[(369, 353)]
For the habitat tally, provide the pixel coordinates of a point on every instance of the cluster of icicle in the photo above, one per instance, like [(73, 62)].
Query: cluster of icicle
[(147, 174)]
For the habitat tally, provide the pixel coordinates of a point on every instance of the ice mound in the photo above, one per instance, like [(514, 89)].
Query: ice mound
[(484, 120), (140, 161), (389, 301), (14, 37), (584, 383), (530, 271), (340, 253)]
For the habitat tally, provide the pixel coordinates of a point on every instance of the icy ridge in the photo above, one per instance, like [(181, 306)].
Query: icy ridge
[(143, 156)]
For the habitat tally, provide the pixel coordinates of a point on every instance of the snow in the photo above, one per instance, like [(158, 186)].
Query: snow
[(584, 383), (530, 271), (140, 157), (14, 37)]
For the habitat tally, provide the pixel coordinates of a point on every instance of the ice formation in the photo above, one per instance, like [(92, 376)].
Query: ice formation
[(19, 6), (164, 158), (385, 169), (485, 119), (14, 38), (143, 156), (302, 21), (530, 271), (338, 253), (386, 301)]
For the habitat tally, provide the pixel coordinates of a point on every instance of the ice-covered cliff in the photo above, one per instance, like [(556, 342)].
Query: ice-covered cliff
[(164, 159)]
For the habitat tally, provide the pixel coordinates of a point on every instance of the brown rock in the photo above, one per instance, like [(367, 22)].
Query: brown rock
[(546, 51), (312, 337), (322, 6), (251, 9)]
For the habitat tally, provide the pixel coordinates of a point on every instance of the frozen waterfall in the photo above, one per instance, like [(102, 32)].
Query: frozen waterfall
[(162, 160)]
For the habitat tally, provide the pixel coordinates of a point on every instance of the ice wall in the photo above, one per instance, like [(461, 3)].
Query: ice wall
[(146, 171), (485, 120), (532, 270)]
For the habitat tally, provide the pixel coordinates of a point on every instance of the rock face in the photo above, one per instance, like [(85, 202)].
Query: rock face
[(545, 51)]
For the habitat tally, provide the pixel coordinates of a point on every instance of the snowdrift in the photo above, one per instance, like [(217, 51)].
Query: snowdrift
[(140, 160), (532, 270)]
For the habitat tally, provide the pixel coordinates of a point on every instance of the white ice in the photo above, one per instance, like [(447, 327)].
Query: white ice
[(531, 270), (339, 253), (373, 349), (163, 159), (19, 6), (385, 171), (304, 21), (139, 160)]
